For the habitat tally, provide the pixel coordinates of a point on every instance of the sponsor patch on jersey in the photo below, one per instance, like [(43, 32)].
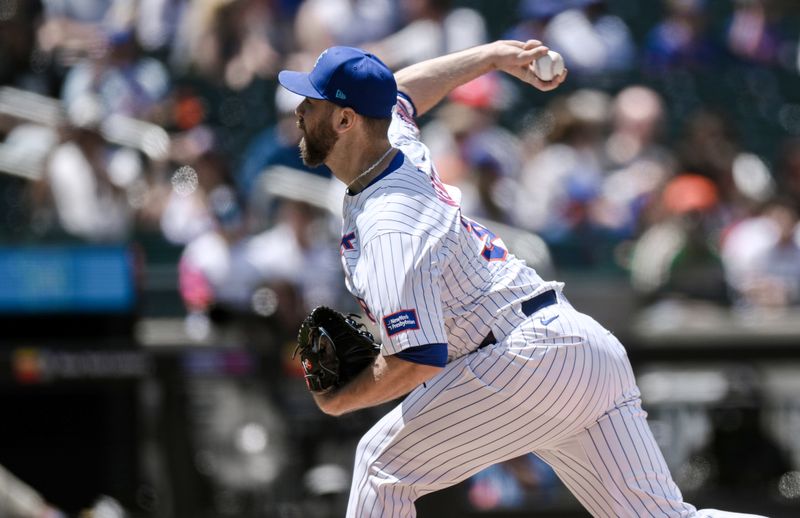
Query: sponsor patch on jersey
[(403, 320)]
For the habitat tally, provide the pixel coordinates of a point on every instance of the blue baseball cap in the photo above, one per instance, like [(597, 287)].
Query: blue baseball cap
[(349, 77)]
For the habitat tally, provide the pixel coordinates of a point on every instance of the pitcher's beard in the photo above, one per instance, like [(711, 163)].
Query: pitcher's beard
[(315, 146)]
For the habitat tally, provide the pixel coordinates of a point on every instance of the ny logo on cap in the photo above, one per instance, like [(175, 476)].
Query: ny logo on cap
[(340, 95)]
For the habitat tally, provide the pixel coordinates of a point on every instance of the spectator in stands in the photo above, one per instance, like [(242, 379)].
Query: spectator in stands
[(184, 212), (754, 33), (228, 43), (216, 273), (638, 162), (592, 41), (300, 250), (430, 28), (681, 39), (125, 82), (73, 29), (222, 270), (638, 118), (777, 268), (473, 152), (562, 184), (85, 182), (275, 145), (534, 16), (320, 24), (516, 483), (493, 163), (17, 44), (676, 257), (196, 47), (741, 243), (708, 146), (28, 208), (156, 23), (762, 257)]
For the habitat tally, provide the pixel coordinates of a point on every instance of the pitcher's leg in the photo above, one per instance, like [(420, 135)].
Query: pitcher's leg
[(373, 490), (445, 432), (392, 456), (615, 468)]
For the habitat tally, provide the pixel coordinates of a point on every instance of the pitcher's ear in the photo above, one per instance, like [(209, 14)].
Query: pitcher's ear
[(345, 118)]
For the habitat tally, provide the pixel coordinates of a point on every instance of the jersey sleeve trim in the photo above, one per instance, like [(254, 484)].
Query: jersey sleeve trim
[(407, 104), (430, 354)]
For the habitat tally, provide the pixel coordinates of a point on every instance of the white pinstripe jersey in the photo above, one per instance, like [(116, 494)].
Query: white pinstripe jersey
[(423, 272)]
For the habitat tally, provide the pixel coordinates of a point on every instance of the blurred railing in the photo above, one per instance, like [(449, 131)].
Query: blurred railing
[(24, 106)]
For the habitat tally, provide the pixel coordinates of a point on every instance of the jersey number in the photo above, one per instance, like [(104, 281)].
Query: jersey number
[(493, 247)]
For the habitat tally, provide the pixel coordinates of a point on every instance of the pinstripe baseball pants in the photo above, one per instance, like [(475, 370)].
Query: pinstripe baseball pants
[(559, 385)]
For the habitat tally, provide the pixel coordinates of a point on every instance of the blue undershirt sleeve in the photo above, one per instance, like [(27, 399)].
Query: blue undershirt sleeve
[(430, 354)]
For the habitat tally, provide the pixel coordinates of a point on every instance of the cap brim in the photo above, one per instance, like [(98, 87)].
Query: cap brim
[(299, 83)]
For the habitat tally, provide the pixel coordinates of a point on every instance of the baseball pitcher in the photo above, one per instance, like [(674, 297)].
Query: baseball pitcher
[(495, 361)]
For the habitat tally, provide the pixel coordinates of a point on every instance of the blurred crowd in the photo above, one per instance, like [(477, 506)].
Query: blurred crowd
[(632, 166), (671, 155)]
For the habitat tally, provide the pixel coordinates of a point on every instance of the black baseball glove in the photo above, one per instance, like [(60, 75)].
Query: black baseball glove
[(333, 348)]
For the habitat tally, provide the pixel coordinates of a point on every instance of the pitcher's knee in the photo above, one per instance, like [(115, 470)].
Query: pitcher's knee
[(386, 497)]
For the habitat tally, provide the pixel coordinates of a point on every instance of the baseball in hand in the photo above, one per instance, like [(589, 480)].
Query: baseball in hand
[(549, 66)]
